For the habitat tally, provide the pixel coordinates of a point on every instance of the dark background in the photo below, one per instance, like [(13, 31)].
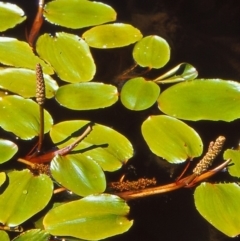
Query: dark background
[(204, 33)]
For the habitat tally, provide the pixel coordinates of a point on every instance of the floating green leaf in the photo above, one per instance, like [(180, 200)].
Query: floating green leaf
[(33, 235), (219, 205), (78, 174), (87, 96), (19, 54), (181, 72), (234, 155), (4, 236), (20, 200), (78, 14), (171, 139), (139, 94), (10, 16), (23, 82), (151, 51), (7, 150), (21, 116), (104, 145), (202, 99), (2, 179), (78, 218), (112, 36), (69, 55)]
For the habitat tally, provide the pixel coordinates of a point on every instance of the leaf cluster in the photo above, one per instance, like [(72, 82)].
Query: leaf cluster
[(69, 72)]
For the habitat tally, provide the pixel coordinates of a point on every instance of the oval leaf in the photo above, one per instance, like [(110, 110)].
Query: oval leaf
[(23, 82), (10, 16), (219, 205), (77, 218), (234, 155), (4, 236), (78, 174), (20, 200), (107, 147), (7, 149), (139, 94), (151, 51), (21, 116), (112, 36), (19, 54), (87, 96), (202, 99), (78, 14), (33, 234), (69, 55), (171, 139)]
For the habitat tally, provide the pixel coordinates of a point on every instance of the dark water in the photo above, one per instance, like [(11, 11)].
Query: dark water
[(204, 33)]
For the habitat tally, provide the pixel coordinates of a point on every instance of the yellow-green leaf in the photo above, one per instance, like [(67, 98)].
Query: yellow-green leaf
[(219, 205), (234, 155), (202, 99), (23, 82), (87, 96), (69, 55), (19, 54), (7, 150), (21, 116), (112, 36), (10, 15), (139, 94), (92, 218), (78, 174), (21, 199), (171, 138), (151, 51), (78, 13)]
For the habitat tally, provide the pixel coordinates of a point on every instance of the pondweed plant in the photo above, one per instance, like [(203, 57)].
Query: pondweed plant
[(85, 150)]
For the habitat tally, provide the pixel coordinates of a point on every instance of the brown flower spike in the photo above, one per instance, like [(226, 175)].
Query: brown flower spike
[(40, 89)]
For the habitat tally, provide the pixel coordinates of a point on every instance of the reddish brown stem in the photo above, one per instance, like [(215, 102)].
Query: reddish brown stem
[(64, 151), (188, 181), (37, 24)]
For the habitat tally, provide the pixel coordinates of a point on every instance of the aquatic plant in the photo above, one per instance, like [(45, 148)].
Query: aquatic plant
[(62, 67)]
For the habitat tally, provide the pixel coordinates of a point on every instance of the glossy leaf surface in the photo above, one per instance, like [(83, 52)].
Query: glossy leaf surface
[(78, 174), (181, 72), (23, 82), (21, 116), (20, 200), (234, 168), (78, 218), (4, 236), (139, 94), (104, 145), (202, 99), (10, 16), (7, 149), (33, 235), (219, 205), (2, 178), (19, 54), (151, 51), (171, 138), (112, 36), (69, 55), (87, 96), (78, 14)]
